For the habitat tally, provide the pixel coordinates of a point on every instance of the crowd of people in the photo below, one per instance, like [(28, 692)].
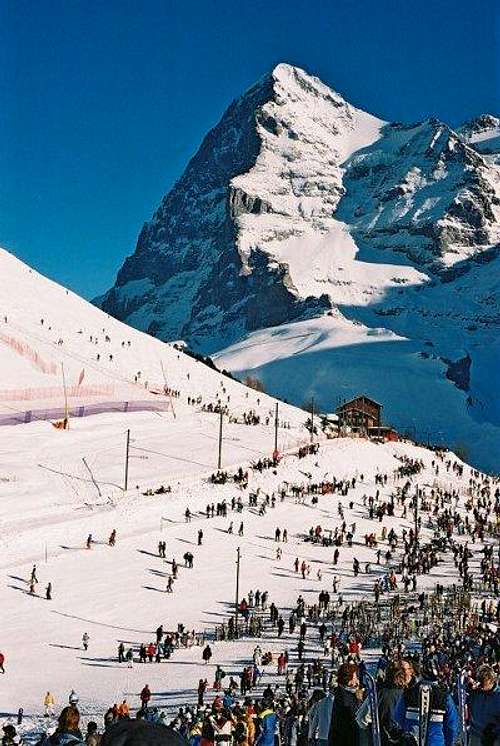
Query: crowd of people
[(309, 682)]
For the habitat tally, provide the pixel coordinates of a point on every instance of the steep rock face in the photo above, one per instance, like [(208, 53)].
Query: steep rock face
[(206, 267)]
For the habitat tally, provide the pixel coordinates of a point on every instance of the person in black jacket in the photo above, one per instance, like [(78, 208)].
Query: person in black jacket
[(344, 730), (398, 676)]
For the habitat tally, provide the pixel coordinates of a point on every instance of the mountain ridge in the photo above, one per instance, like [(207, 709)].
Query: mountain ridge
[(298, 207)]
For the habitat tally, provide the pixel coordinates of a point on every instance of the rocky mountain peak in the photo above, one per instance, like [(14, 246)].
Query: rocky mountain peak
[(292, 174)]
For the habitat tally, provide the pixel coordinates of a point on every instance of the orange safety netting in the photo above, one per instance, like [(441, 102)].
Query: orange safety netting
[(56, 392), (28, 352)]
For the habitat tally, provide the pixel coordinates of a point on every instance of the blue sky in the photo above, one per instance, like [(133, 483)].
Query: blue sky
[(104, 102)]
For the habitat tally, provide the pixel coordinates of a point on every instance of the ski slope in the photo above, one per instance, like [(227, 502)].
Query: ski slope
[(65, 332), (57, 487), (119, 593)]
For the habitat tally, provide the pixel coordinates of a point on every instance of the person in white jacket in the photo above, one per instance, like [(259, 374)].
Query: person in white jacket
[(320, 716)]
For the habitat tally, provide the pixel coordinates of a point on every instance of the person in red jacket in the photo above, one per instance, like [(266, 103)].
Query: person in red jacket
[(145, 695), (2, 661), (151, 651)]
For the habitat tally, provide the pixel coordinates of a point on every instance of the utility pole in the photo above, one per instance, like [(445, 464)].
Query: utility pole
[(415, 518), (276, 429), (126, 461), (312, 418), (219, 462), (237, 597)]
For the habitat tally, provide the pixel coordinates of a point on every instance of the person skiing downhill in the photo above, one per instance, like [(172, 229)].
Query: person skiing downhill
[(85, 640)]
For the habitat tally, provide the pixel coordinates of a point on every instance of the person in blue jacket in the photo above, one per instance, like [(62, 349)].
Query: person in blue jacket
[(484, 709), (443, 723), (267, 722)]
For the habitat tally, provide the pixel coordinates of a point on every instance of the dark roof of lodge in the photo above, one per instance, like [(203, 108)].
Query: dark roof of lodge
[(360, 396)]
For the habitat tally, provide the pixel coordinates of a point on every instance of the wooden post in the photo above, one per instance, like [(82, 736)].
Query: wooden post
[(66, 413)]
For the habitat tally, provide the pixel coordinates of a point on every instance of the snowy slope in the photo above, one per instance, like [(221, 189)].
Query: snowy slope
[(56, 487), (119, 594), (65, 474), (37, 314)]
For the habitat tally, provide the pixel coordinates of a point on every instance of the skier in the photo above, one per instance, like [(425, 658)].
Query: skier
[(200, 537), (170, 584), (2, 661), (207, 653), (241, 529), (49, 703), (268, 723), (112, 538), (85, 640), (428, 712), (48, 592), (484, 708), (89, 541), (129, 657), (202, 687), (347, 699), (10, 734), (145, 696), (33, 576), (73, 698)]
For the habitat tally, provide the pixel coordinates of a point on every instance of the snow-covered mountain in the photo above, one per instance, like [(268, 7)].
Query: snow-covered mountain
[(305, 229)]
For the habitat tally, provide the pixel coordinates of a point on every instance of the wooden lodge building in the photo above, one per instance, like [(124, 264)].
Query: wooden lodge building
[(363, 416), (360, 414)]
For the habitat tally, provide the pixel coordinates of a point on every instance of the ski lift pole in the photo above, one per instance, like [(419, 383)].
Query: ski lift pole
[(127, 450), (237, 596), (312, 419), (219, 460), (276, 429)]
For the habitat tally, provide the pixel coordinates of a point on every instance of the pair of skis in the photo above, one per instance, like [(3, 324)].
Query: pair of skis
[(424, 709), (462, 706), (371, 689)]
